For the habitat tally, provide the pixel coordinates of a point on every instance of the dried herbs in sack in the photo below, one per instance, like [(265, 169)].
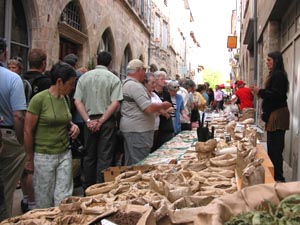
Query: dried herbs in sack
[(286, 213)]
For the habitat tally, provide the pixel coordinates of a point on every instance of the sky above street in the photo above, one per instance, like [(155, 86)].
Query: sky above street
[(212, 26)]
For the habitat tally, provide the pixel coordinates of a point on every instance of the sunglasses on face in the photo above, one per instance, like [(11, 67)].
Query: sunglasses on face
[(19, 59)]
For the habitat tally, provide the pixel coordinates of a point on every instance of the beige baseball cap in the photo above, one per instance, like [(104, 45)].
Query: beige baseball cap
[(136, 63)]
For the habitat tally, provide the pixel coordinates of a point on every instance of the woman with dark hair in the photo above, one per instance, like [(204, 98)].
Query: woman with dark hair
[(275, 112), (48, 127)]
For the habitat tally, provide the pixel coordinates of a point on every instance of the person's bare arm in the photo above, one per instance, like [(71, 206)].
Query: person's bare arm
[(112, 108), (81, 109), (18, 118), (156, 107), (29, 130)]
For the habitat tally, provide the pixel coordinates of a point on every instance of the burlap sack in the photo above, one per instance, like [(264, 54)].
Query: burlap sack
[(100, 188), (175, 192), (194, 165), (17, 221), (222, 209), (158, 202), (253, 174), (247, 113), (96, 206), (147, 217), (230, 127), (223, 160), (204, 149), (122, 187), (129, 176), (72, 204), (157, 181), (73, 219), (185, 209), (41, 213), (221, 171)]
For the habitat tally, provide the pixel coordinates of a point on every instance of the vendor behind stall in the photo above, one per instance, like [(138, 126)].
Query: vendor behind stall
[(243, 95)]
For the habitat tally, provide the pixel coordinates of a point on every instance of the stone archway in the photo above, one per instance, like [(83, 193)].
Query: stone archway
[(107, 43), (72, 31), (127, 56)]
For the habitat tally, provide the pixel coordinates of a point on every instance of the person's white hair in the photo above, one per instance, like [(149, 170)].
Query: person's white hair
[(159, 74)]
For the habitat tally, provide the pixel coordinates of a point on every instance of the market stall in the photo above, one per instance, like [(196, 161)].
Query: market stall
[(173, 185)]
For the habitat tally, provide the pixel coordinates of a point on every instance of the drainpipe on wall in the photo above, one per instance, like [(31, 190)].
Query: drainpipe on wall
[(150, 24), (256, 75)]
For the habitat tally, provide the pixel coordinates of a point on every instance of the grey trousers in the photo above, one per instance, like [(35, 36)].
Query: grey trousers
[(12, 160), (99, 156), (52, 178), (137, 146)]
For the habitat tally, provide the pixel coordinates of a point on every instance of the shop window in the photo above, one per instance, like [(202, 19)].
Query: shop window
[(298, 23), (105, 44), (71, 16), (157, 28), (2, 17), (126, 58), (13, 24), (164, 43)]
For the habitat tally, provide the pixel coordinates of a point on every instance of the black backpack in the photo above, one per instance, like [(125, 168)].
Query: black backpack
[(33, 85)]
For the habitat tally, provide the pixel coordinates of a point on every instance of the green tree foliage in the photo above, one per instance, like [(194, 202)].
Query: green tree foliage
[(213, 77)]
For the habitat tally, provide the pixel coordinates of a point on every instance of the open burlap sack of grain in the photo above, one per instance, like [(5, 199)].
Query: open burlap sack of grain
[(159, 203), (34, 217), (17, 221), (100, 188), (72, 204), (245, 155), (222, 209), (185, 209), (253, 174), (128, 215), (157, 181), (205, 149), (79, 219)]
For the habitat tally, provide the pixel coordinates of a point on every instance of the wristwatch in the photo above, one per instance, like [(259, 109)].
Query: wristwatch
[(88, 120)]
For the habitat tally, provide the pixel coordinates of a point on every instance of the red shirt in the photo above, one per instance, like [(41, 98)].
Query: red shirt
[(245, 96)]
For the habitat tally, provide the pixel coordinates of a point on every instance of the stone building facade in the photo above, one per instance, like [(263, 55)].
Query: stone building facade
[(170, 33), (60, 27), (278, 29)]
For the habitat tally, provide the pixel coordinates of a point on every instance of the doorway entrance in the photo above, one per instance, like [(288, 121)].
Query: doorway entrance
[(67, 47)]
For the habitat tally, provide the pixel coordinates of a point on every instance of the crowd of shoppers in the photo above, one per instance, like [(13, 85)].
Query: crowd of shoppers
[(68, 103)]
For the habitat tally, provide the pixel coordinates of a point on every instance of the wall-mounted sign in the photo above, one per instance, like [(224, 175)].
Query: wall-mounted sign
[(231, 41)]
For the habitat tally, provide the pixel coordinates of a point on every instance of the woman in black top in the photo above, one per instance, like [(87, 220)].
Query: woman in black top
[(275, 112)]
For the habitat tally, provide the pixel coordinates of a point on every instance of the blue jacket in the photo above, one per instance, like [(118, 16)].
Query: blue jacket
[(179, 108)]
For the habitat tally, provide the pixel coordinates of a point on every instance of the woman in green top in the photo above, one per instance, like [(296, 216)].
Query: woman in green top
[(48, 127)]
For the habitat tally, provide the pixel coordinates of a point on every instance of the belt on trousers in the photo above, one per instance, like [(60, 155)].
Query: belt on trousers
[(7, 127)]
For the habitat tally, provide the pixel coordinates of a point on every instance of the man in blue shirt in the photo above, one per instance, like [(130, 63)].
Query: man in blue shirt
[(12, 155)]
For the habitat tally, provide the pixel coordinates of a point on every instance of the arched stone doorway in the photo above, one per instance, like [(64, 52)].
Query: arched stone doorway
[(72, 30)]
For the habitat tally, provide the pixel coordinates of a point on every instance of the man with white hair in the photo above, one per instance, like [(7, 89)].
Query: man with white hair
[(137, 114)]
